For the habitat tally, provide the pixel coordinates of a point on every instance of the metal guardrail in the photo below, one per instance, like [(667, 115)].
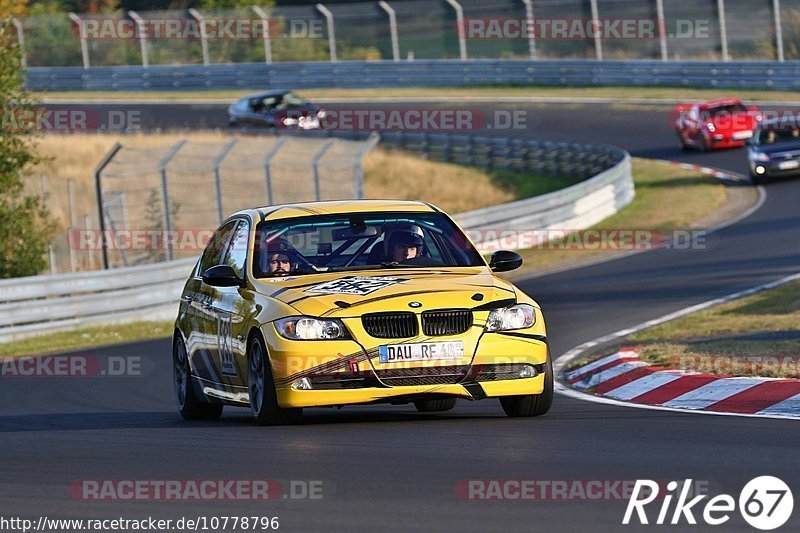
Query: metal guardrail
[(420, 73), (37, 304), (30, 306)]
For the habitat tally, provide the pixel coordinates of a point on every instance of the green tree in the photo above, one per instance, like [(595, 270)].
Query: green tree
[(25, 226)]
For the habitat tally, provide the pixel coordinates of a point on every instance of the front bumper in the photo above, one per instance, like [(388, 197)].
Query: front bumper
[(332, 373), (472, 391), (771, 169)]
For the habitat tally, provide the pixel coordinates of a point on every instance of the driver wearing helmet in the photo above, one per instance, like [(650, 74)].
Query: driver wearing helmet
[(404, 245), (281, 258)]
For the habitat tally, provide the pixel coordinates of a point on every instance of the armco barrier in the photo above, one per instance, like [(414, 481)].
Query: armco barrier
[(34, 305), (420, 73)]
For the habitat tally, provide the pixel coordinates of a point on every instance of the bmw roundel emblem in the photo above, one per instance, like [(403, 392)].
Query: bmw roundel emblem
[(414, 304)]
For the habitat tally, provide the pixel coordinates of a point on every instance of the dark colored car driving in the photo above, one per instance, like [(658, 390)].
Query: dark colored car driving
[(275, 109), (774, 151)]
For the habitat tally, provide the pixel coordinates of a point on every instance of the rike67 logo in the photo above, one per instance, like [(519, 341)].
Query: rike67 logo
[(765, 503)]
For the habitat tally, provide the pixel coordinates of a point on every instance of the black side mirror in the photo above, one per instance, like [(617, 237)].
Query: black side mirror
[(222, 276), (749, 142), (503, 261)]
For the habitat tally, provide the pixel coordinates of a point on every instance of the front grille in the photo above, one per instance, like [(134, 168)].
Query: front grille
[(332, 383), (390, 325), (434, 375), (446, 322)]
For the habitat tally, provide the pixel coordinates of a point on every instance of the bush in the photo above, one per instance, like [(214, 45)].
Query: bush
[(25, 225)]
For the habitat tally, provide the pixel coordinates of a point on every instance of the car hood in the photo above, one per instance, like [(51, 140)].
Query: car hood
[(777, 147), (349, 294), (735, 121)]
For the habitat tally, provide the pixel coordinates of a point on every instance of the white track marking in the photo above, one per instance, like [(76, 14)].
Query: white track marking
[(601, 377), (784, 408), (713, 392), (644, 384)]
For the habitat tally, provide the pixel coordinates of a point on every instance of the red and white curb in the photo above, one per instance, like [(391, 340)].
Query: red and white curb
[(624, 377), (789, 408), (719, 174)]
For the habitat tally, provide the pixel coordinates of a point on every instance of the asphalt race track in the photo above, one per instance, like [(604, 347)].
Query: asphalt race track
[(391, 468)]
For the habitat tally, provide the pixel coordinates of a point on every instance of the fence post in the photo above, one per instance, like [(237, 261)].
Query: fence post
[(267, 173), (142, 28), (723, 30), (51, 255), (662, 30), (776, 10), (358, 169), (99, 193), (462, 42), (87, 225), (598, 41), (73, 261), (20, 41), (392, 29), (315, 167), (203, 37), (529, 23), (217, 182), (267, 41), (165, 195), (84, 46), (331, 35)]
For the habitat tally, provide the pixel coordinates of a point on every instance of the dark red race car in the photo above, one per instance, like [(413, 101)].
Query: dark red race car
[(724, 123)]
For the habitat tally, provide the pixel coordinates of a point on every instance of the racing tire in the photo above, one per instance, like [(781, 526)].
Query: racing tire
[(702, 144), (684, 146), (190, 407), (433, 406), (532, 404), (261, 388)]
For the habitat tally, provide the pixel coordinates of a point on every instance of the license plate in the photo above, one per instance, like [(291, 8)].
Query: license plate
[(739, 135), (787, 165), (421, 351)]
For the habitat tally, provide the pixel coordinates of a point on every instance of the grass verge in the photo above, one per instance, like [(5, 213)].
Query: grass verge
[(668, 93), (756, 336), (667, 198), (86, 337)]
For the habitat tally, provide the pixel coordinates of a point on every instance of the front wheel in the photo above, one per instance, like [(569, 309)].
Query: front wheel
[(532, 404), (188, 405), (263, 400)]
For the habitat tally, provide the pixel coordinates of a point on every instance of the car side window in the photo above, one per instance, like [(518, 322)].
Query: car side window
[(236, 254), (213, 254)]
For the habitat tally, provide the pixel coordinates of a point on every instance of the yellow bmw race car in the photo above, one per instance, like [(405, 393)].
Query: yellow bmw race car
[(354, 302)]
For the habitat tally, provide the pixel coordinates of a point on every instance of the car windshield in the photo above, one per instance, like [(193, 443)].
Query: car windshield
[(777, 135), (357, 241), (724, 110)]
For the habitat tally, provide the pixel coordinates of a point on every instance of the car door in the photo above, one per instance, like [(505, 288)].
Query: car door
[(202, 306), (233, 309)]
